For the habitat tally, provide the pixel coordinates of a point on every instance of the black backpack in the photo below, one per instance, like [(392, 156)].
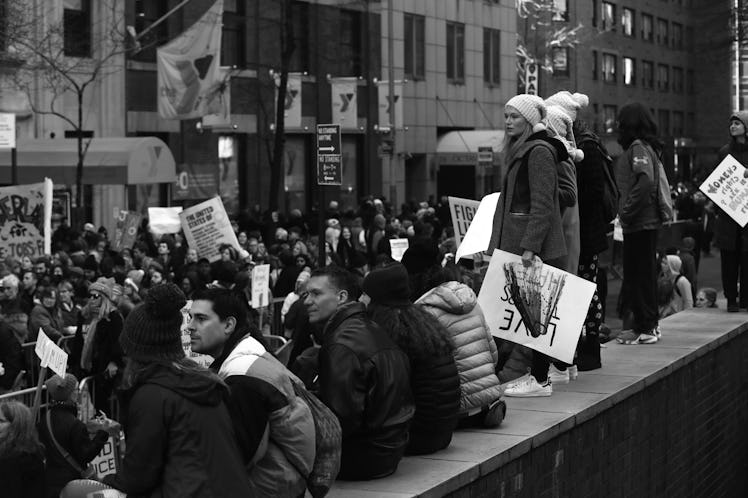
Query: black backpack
[(610, 187)]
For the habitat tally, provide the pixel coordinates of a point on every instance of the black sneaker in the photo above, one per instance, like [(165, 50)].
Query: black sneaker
[(732, 307)]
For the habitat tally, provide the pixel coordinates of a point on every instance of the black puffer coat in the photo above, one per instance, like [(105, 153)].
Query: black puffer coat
[(590, 189)]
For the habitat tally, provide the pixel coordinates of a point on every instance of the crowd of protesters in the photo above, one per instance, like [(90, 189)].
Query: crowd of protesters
[(398, 353)]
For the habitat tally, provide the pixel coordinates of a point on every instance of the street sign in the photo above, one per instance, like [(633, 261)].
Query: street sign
[(7, 131), (485, 155), (531, 79), (329, 157)]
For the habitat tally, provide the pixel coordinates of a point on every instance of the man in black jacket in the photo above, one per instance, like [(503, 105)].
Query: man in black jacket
[(363, 377)]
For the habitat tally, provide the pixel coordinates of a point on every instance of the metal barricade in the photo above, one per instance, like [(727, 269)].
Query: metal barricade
[(32, 362), (25, 396), (87, 400)]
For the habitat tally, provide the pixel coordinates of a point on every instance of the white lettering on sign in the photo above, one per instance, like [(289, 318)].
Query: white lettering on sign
[(50, 354)]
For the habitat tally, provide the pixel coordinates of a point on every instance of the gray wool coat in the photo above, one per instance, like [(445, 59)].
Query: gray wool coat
[(528, 216)]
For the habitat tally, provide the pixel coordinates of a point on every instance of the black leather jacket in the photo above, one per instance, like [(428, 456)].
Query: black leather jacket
[(365, 380)]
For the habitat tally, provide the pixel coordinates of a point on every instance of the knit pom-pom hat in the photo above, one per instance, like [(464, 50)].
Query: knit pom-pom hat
[(388, 285), (61, 388), (560, 123), (105, 286), (532, 108), (571, 103), (152, 330)]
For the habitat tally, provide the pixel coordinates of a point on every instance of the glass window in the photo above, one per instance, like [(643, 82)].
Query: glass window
[(560, 10), (595, 70), (663, 77), (349, 54), (609, 118), (662, 31), (492, 56), (678, 83), (690, 82), (228, 168), (677, 36), (627, 21), (609, 16), (232, 43), (678, 130), (647, 27), (647, 74), (561, 61), (610, 62), (146, 13), (594, 13), (456, 52), (76, 20), (415, 46), (663, 118), (629, 71)]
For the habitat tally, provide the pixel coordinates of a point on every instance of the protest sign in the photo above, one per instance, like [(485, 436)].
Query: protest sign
[(475, 233), (728, 189), (126, 230), (201, 359), (206, 227), (26, 219), (163, 220), (553, 302), (398, 248), (260, 286), (50, 354), (105, 462)]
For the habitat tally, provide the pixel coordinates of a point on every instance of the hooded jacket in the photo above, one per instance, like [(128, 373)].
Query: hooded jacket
[(637, 204), (364, 378), (274, 427), (180, 442), (528, 215), (456, 307)]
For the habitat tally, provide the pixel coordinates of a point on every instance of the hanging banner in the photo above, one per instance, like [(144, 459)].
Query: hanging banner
[(292, 106), (728, 189), (206, 227), (126, 230), (189, 78), (383, 91), (26, 219), (221, 120), (477, 235), (345, 102), (196, 182), (540, 307)]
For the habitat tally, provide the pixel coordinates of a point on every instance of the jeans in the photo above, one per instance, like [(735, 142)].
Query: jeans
[(640, 270)]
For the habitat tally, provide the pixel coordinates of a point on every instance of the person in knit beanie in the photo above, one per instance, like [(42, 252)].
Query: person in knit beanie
[(570, 103), (562, 125), (532, 108), (177, 412), (388, 286)]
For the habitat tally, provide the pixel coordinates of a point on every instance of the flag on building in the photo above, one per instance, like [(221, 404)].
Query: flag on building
[(345, 102), (292, 105), (189, 77), (383, 91)]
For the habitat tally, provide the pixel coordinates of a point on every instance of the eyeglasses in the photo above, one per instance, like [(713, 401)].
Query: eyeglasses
[(94, 296)]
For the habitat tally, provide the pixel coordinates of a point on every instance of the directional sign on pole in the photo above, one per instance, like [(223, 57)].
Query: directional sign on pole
[(7, 131), (329, 157)]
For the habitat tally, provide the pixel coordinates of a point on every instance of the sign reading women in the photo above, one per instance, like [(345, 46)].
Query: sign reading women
[(25, 219)]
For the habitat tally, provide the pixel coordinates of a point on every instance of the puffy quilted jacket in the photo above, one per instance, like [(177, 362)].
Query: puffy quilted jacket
[(456, 307)]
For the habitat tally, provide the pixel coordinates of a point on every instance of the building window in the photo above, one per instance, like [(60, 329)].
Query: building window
[(491, 56), (560, 10), (663, 118), (647, 28), (609, 118), (629, 71), (609, 16), (610, 62), (3, 23), (678, 84), (350, 52), (595, 70), (690, 82), (678, 130), (561, 61), (677, 36), (627, 21), (662, 31), (234, 35), (690, 124), (456, 52), (300, 57), (647, 74), (663, 77), (76, 20), (415, 46), (596, 118), (146, 13), (594, 13)]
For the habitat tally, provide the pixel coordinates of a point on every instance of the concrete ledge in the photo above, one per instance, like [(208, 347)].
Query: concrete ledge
[(533, 422)]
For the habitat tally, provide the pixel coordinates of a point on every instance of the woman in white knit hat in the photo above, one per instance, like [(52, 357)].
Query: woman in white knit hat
[(528, 215)]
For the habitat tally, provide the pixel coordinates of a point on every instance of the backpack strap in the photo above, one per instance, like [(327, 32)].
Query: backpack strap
[(62, 451)]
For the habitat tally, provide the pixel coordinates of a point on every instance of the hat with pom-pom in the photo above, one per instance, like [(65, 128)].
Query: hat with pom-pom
[(571, 103), (61, 388), (152, 330), (561, 123), (532, 108)]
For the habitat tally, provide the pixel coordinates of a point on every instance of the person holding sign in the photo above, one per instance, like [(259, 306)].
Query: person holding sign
[(729, 237), (528, 214)]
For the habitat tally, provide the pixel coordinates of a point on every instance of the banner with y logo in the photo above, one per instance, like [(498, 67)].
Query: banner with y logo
[(292, 104), (345, 102), (383, 92)]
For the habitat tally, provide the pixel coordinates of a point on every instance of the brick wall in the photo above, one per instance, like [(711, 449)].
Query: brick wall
[(685, 435)]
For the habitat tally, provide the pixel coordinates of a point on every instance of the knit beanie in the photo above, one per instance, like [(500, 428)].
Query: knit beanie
[(741, 116), (61, 388), (388, 285), (152, 330), (532, 108), (105, 286), (571, 103), (560, 122)]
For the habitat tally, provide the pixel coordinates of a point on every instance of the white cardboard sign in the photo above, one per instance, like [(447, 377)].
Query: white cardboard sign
[(260, 286), (477, 235), (50, 354), (163, 220), (728, 189), (7, 130), (206, 227), (398, 248), (554, 301)]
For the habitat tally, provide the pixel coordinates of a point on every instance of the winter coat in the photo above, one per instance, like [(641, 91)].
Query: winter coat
[(637, 190), (567, 186), (590, 191), (364, 378), (726, 230), (42, 318), (528, 214), (11, 356), (456, 307), (274, 427), (22, 475), (72, 435), (180, 441), (106, 347)]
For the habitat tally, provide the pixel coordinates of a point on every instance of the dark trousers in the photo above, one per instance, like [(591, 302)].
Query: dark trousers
[(734, 266), (639, 289), (588, 349)]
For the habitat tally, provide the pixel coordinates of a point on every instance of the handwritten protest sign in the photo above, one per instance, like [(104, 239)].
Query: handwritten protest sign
[(552, 301), (50, 354), (126, 230), (260, 286), (398, 248), (728, 189), (201, 359), (105, 462), (474, 226), (162, 220), (26, 219), (206, 226)]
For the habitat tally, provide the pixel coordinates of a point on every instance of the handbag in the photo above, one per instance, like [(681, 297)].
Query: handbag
[(88, 473)]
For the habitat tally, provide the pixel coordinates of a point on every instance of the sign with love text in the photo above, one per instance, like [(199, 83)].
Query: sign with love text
[(540, 306), (728, 189)]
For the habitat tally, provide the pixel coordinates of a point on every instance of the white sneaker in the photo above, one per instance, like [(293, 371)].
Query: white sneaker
[(528, 387), (558, 376)]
